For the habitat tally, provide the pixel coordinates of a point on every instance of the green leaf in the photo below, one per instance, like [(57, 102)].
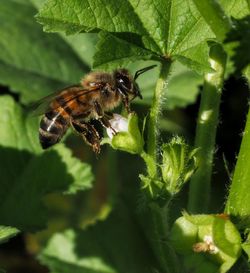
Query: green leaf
[(236, 8), (182, 89), (196, 58), (27, 175), (33, 63), (166, 28), (83, 44), (214, 15), (76, 16), (115, 245), (113, 52), (6, 233), (240, 36), (79, 171)]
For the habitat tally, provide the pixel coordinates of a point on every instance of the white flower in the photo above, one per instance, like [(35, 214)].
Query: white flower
[(118, 124)]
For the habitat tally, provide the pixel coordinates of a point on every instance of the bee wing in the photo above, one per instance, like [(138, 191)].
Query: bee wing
[(44, 105)]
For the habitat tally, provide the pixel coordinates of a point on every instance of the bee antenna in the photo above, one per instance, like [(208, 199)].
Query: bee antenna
[(141, 71)]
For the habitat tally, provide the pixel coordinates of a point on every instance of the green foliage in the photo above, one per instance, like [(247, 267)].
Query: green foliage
[(22, 45), (6, 233), (241, 35), (129, 21), (86, 250), (177, 94), (27, 175), (126, 229)]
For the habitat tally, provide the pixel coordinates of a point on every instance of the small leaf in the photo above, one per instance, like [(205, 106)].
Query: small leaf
[(6, 233), (240, 35)]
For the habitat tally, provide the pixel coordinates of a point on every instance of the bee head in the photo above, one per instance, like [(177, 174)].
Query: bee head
[(126, 84)]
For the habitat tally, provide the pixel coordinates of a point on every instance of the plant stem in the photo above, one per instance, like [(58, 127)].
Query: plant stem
[(199, 194), (238, 200), (152, 148), (150, 163), (154, 218), (157, 234)]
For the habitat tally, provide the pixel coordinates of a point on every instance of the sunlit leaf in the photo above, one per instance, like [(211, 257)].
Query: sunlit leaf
[(166, 29)]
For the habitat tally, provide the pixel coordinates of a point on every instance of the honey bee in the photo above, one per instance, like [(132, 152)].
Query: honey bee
[(78, 105)]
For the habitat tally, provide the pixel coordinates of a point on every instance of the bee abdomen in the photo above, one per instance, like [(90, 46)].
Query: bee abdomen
[(52, 128)]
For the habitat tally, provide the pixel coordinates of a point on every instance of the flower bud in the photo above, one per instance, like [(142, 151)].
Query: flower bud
[(128, 137), (206, 242), (119, 124), (178, 164)]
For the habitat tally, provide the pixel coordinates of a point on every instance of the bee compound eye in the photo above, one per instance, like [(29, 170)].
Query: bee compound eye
[(124, 81)]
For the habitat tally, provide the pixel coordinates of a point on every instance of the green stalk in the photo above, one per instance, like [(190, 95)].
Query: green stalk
[(157, 234), (152, 145), (199, 194), (153, 218), (239, 198)]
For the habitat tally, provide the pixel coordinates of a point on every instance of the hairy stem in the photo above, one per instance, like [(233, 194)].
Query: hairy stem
[(199, 194), (155, 111), (238, 200), (154, 218)]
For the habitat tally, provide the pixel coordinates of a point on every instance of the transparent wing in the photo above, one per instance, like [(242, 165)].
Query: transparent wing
[(69, 93)]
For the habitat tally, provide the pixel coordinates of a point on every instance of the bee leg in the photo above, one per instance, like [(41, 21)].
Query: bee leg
[(125, 100), (126, 104), (98, 109), (103, 118), (105, 123), (89, 133)]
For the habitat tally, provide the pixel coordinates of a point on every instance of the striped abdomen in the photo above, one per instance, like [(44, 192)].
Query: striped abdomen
[(52, 128)]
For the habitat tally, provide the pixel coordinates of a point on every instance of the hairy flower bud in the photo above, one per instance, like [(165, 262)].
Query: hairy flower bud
[(128, 137), (178, 164)]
